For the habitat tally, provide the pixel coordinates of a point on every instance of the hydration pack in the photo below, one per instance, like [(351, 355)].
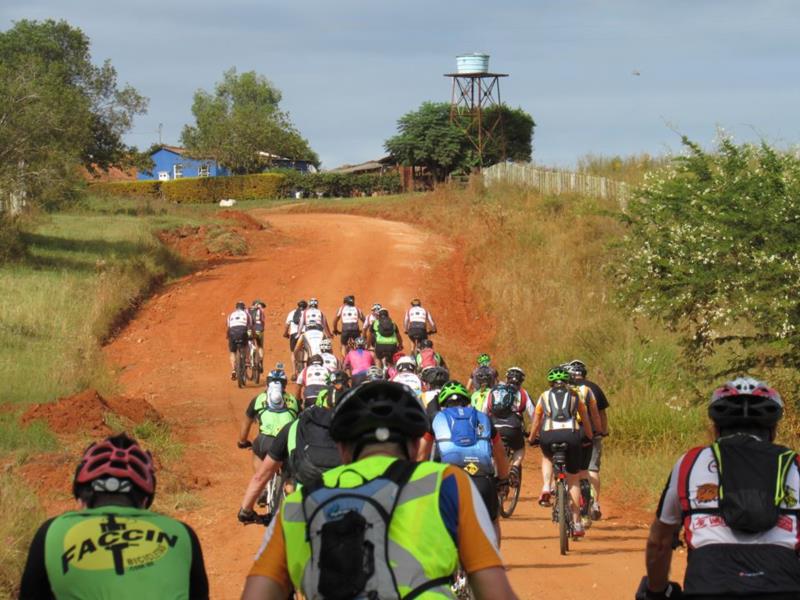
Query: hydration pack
[(463, 438), (385, 327), (312, 451), (296, 316), (502, 401), (561, 405)]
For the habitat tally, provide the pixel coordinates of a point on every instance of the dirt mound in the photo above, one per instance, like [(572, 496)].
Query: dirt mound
[(85, 412), (243, 220)]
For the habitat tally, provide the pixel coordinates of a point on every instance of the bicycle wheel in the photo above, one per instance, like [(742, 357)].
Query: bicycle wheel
[(241, 367), (508, 501), (563, 515)]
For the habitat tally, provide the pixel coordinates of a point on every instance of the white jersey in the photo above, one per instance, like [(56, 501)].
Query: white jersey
[(294, 328), (311, 341), (410, 379), (330, 361), (313, 375), (349, 315), (312, 317), (703, 528), (238, 318)]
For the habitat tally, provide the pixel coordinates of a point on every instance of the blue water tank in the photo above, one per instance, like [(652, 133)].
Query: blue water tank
[(477, 62)]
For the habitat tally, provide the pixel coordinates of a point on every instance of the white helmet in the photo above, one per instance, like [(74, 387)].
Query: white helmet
[(313, 303), (326, 345), (406, 364)]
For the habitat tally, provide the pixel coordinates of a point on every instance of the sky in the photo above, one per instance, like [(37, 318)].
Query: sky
[(349, 69)]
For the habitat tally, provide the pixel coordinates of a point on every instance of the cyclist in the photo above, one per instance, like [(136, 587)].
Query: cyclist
[(308, 345), (292, 329), (314, 318), (743, 542), (415, 523), (338, 384), (433, 380), (484, 366), (311, 380), (427, 358), (328, 358), (351, 319), (239, 326), (559, 417), (480, 396), (406, 374), (386, 338), (418, 323), (358, 361), (113, 546), (467, 439), (369, 320), (304, 448), (578, 371), (271, 410), (258, 318)]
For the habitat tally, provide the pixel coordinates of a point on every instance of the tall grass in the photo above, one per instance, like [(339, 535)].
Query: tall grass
[(630, 169), (21, 516), (538, 265)]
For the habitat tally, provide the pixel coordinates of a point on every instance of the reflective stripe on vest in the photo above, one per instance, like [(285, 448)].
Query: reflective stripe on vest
[(420, 548)]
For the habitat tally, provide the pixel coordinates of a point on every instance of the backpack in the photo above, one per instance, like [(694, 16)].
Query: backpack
[(463, 427), (296, 316), (561, 406), (348, 532), (502, 401), (427, 359), (312, 450), (385, 327)]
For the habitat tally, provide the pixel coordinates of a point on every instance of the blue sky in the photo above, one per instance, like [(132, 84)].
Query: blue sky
[(349, 69)]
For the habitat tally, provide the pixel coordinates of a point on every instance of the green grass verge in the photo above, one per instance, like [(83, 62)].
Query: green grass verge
[(21, 516)]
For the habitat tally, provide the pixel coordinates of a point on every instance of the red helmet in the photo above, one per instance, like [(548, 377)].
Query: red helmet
[(120, 457)]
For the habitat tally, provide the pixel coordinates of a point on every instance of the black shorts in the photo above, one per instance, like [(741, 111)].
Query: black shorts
[(417, 332), (349, 332), (488, 490), (385, 351), (293, 341), (512, 437), (261, 445), (572, 438), (236, 336), (358, 378)]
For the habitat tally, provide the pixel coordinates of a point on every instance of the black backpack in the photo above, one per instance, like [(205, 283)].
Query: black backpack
[(296, 316), (562, 404), (385, 327), (502, 400), (314, 450)]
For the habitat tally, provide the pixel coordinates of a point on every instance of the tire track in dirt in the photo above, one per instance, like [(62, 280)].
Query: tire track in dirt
[(174, 354)]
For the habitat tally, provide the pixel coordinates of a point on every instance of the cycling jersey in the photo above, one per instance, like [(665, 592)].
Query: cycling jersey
[(293, 321), (350, 317), (411, 380), (559, 406), (416, 316), (329, 361), (258, 318), (358, 361), (427, 358), (313, 378), (311, 341), (312, 317), (114, 552), (239, 318), (371, 318), (479, 399)]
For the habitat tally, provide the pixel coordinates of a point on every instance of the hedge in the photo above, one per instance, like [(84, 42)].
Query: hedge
[(284, 183)]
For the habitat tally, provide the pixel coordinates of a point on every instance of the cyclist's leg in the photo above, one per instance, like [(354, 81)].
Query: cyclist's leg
[(261, 445), (545, 439), (594, 471), (574, 457), (488, 491)]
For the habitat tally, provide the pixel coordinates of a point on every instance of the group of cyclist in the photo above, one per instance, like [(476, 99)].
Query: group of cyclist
[(391, 453)]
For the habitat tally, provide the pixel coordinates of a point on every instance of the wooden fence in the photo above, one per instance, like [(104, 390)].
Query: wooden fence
[(557, 182)]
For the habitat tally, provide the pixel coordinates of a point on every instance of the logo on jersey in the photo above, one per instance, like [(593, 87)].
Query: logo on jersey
[(471, 468), (790, 496), (114, 542), (708, 492)]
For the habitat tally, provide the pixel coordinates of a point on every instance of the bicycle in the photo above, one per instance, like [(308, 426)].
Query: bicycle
[(562, 515), (273, 494), (460, 586), (254, 360), (241, 363), (509, 498)]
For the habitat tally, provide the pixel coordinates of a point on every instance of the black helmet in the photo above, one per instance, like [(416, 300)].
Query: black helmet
[(416, 302), (515, 375), (378, 411), (240, 305), (426, 343), (349, 300), (260, 302), (302, 304), (745, 402), (577, 367), (338, 377), (436, 377)]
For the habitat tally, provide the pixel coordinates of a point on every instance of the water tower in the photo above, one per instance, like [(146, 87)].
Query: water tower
[(475, 90)]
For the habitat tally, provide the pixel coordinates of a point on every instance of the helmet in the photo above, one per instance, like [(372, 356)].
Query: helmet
[(515, 375), (360, 342), (745, 402), (383, 312), (274, 393), (453, 390), (378, 411), (316, 359), (577, 368), (484, 359), (557, 374), (349, 300), (407, 364), (484, 374), (277, 375), (436, 377), (374, 374), (302, 304), (376, 307), (116, 465), (259, 301), (426, 343), (416, 302), (313, 302), (326, 345), (337, 377), (240, 305)]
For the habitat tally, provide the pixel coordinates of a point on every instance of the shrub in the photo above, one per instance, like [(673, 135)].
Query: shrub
[(12, 240), (128, 189)]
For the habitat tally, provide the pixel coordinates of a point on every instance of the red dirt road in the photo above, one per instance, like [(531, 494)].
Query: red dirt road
[(174, 355)]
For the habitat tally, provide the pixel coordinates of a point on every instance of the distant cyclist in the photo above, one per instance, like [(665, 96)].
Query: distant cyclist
[(311, 380), (485, 382), (292, 329), (338, 385), (418, 323), (358, 361), (366, 332), (328, 357), (240, 325), (561, 417), (350, 317), (386, 337), (258, 319), (270, 410), (407, 374), (432, 382), (113, 546), (484, 366), (737, 501), (309, 344), (427, 358), (314, 318)]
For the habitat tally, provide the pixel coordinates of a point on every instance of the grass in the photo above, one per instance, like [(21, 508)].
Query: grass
[(21, 516), (538, 265)]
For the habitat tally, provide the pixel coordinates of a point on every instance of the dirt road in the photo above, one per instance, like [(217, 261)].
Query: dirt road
[(174, 355)]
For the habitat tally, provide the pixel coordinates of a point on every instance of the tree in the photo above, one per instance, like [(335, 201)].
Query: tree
[(426, 137), (241, 119), (712, 250), (58, 110)]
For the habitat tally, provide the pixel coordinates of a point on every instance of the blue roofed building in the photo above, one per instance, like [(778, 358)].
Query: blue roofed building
[(172, 162)]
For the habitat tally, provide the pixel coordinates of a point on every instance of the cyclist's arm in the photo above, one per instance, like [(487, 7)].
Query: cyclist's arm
[(603, 422), (325, 325), (269, 577), (425, 446), (538, 418), (399, 338), (247, 421), (431, 323), (585, 423), (269, 467), (658, 554), (35, 585), (597, 424), (491, 583)]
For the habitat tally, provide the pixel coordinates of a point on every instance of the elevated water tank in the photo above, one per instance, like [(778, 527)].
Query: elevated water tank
[(477, 62)]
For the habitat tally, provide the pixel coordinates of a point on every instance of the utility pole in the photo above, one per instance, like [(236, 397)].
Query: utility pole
[(160, 129)]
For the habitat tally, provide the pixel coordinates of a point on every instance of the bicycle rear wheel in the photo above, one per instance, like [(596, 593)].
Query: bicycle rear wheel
[(241, 367), (562, 502), (508, 501)]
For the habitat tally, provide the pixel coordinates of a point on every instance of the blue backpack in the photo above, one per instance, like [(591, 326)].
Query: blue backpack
[(463, 437)]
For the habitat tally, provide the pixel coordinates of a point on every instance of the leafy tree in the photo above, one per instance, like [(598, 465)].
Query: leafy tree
[(426, 137), (58, 110), (240, 119), (712, 250)]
